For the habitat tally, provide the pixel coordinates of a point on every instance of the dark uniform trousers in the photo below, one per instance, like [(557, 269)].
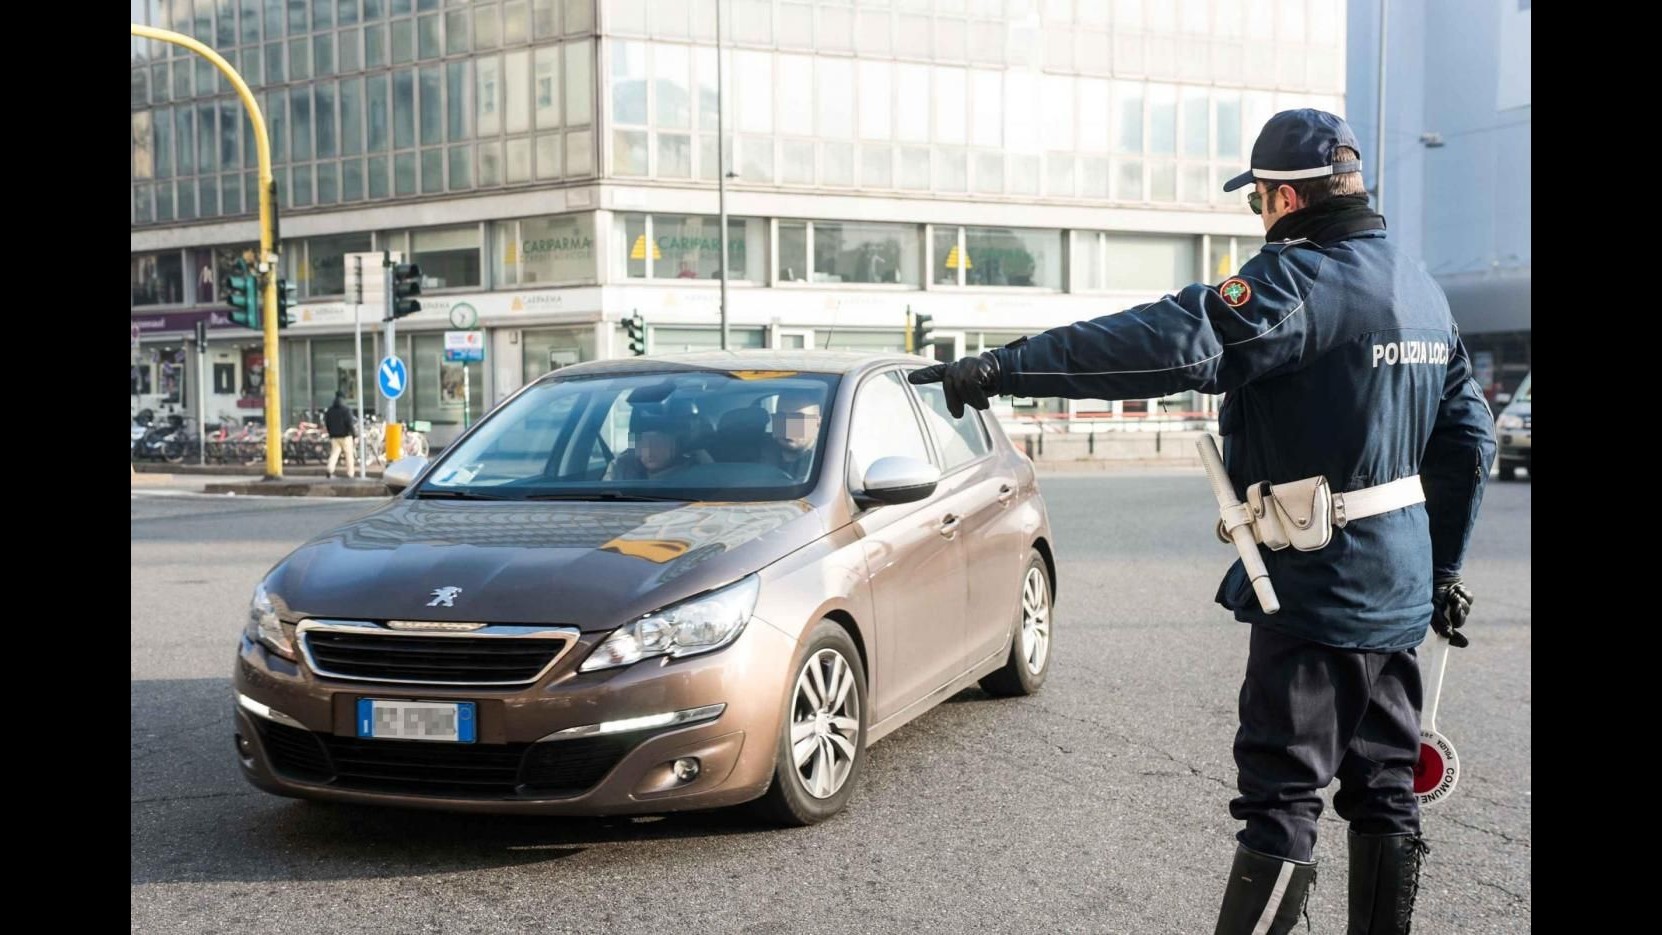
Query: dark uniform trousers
[(1312, 713)]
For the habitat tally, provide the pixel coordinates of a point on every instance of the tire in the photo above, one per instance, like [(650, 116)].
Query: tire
[(1030, 648), (791, 799), (1509, 470)]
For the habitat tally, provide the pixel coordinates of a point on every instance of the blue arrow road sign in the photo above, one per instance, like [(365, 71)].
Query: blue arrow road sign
[(393, 377)]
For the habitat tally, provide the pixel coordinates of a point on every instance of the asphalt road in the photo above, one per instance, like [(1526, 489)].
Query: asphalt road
[(1097, 805)]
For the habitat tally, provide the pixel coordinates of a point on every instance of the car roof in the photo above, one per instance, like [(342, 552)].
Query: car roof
[(783, 361)]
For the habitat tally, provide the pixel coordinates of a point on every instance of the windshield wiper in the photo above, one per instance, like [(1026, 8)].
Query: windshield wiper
[(429, 494), (607, 495)]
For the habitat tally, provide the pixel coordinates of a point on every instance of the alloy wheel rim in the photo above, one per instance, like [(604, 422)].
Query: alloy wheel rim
[(1035, 621), (825, 724)]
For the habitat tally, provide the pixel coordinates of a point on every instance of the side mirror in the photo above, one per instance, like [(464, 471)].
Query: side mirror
[(403, 472), (898, 480)]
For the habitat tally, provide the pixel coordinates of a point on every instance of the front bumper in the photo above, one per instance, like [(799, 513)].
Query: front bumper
[(1514, 444), (303, 743)]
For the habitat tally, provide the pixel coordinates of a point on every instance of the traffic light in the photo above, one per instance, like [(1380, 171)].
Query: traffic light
[(406, 285), (285, 301), (635, 327), (922, 334), (242, 293)]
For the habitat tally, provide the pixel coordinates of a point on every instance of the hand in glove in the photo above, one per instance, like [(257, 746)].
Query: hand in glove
[(968, 380), (1451, 601)]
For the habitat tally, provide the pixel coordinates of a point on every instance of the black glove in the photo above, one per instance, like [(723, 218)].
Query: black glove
[(1451, 601), (967, 380)]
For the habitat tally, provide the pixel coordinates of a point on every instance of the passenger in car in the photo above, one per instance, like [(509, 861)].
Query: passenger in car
[(795, 431)]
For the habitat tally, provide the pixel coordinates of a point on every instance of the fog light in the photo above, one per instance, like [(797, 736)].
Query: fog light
[(245, 749), (686, 768)]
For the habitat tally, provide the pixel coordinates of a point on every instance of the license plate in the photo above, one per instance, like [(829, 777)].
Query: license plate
[(443, 721)]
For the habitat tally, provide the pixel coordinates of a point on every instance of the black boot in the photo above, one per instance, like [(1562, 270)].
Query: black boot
[(1384, 879), (1263, 887)]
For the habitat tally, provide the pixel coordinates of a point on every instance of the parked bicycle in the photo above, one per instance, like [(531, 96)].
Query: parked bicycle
[(375, 440)]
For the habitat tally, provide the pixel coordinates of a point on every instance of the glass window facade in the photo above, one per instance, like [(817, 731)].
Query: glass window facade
[(543, 251), (158, 278), (668, 246), (325, 269), (1146, 263), (549, 349), (1000, 257), (344, 77), (851, 252), (448, 256), (455, 86)]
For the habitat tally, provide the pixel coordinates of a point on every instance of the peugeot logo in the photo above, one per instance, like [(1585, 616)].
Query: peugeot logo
[(444, 597)]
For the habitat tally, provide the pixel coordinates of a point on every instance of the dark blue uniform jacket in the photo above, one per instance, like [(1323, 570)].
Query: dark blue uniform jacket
[(1340, 360)]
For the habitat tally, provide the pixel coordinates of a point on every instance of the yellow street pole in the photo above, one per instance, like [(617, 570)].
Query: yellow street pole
[(395, 442), (268, 242)]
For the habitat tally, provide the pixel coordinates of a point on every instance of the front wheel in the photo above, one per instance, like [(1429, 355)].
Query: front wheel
[(822, 741), (1029, 661)]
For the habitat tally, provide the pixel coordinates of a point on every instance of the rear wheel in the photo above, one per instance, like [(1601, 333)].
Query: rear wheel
[(1029, 661), (822, 740)]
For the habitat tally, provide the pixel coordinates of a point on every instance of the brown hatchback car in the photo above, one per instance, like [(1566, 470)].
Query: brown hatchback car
[(654, 584)]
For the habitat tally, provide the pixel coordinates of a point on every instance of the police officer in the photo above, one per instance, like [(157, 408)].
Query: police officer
[(1340, 361)]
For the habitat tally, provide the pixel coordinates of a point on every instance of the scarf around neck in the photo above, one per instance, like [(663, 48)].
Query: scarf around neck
[(1334, 219)]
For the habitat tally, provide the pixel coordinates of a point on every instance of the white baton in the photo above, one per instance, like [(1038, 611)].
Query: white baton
[(1240, 532)]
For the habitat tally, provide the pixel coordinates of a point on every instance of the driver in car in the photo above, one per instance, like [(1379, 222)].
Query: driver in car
[(659, 450)]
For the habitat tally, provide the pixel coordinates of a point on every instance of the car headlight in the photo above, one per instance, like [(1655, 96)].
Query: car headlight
[(1510, 421), (704, 623), (264, 627)]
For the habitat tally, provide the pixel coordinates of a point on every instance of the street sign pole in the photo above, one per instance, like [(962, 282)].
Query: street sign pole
[(394, 431), (464, 347), (201, 393)]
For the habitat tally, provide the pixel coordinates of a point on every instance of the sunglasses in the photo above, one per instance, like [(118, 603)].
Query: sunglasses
[(1255, 201)]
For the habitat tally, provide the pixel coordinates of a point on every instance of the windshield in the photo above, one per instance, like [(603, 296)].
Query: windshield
[(685, 435), (1522, 396)]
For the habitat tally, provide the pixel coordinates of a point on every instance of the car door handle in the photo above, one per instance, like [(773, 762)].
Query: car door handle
[(948, 526), (1005, 494)]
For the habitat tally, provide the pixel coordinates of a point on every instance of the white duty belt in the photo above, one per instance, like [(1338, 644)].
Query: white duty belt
[(1303, 513), (1372, 501)]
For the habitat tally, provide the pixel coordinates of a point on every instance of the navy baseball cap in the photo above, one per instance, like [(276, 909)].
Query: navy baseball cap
[(1298, 144)]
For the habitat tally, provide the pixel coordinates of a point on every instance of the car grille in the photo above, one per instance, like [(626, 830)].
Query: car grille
[(420, 767), (550, 769), (384, 655)]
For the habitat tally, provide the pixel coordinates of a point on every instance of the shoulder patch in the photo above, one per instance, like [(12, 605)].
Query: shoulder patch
[(1235, 292)]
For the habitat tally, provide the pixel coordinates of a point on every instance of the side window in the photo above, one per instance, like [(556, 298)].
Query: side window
[(960, 440), (883, 426)]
